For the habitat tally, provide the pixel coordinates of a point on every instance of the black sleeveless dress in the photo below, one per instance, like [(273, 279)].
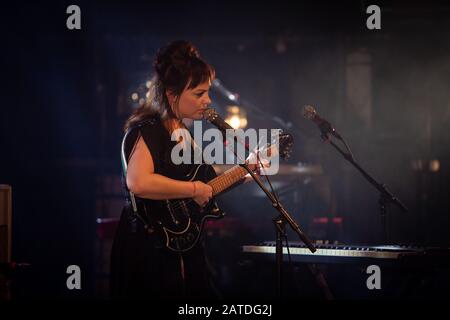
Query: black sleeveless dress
[(140, 267)]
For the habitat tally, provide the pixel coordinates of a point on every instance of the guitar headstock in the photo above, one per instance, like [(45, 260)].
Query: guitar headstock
[(286, 142), (281, 147)]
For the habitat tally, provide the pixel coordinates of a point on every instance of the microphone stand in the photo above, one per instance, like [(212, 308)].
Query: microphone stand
[(279, 222), (386, 196), (280, 228)]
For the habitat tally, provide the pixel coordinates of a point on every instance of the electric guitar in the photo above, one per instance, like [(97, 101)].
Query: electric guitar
[(178, 223)]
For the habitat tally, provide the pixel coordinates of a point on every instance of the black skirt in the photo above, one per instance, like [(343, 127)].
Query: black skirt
[(141, 269)]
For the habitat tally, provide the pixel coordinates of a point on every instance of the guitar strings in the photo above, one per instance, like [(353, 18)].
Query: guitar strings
[(178, 204)]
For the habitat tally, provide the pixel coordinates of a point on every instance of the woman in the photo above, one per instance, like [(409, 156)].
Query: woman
[(140, 268)]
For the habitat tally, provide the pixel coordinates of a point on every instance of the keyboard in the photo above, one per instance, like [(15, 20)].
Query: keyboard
[(330, 253)]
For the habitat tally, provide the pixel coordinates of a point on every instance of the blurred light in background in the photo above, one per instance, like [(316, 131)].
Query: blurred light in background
[(236, 117), (421, 165), (434, 165), (140, 94)]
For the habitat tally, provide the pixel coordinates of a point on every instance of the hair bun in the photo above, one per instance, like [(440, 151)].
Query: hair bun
[(184, 49), (177, 54)]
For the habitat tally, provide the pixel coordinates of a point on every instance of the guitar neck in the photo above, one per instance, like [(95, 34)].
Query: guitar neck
[(227, 179)]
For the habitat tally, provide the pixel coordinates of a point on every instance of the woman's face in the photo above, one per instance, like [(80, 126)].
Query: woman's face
[(192, 103)]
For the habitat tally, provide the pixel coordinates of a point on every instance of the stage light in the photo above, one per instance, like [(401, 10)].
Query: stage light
[(236, 117), (434, 165)]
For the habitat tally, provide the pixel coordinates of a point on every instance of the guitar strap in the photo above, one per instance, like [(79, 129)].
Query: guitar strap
[(124, 169), (124, 161)]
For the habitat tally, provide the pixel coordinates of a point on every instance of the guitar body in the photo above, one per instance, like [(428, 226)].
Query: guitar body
[(179, 222)]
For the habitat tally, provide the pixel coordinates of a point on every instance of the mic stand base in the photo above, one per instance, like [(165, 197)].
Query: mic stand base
[(280, 230), (280, 223)]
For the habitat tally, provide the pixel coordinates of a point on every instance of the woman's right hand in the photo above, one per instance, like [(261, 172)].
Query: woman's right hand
[(202, 193)]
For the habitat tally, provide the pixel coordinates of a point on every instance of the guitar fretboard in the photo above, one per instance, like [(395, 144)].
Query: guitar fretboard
[(227, 179)]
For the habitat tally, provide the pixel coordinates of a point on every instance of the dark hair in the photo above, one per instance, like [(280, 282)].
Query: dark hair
[(176, 66)]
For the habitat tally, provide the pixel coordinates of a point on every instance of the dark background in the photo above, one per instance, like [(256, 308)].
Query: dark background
[(66, 95)]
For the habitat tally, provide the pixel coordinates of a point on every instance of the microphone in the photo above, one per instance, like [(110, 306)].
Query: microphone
[(309, 112), (213, 117)]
